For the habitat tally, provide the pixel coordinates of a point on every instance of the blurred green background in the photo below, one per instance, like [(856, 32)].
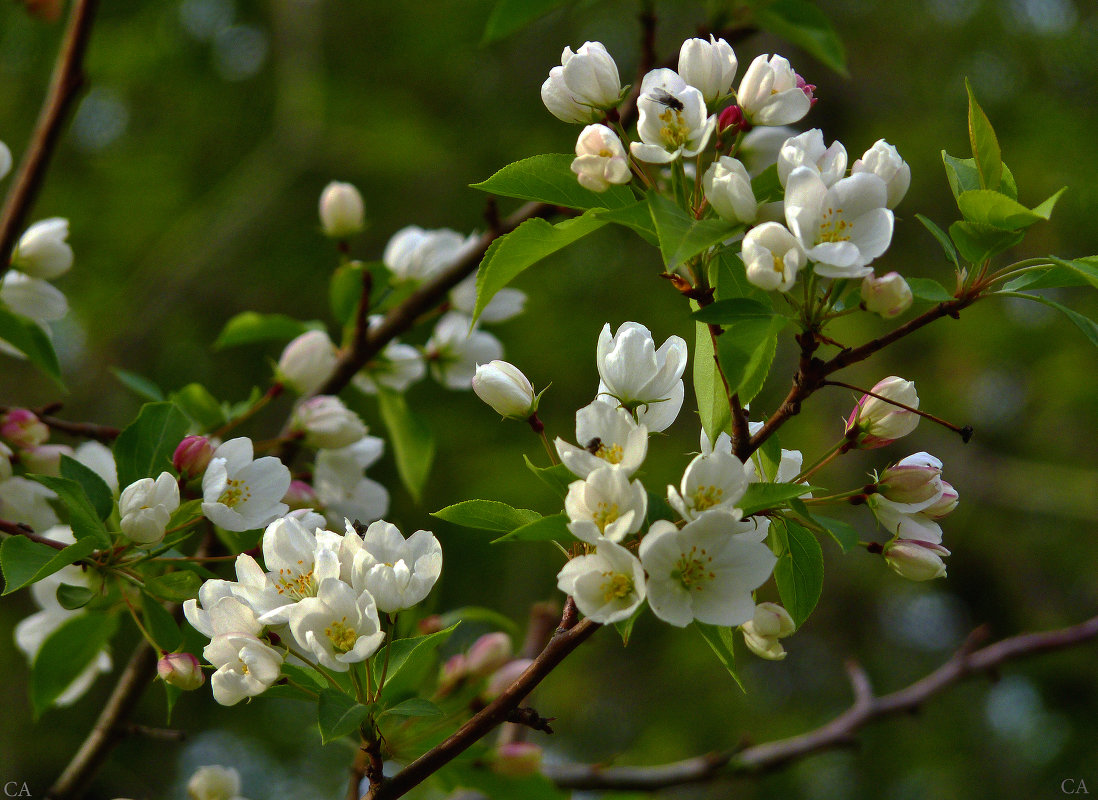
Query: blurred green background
[(190, 176)]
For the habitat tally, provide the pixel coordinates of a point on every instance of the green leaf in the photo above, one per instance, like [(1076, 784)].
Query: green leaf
[(625, 627), (843, 534), (978, 243), (144, 448), (767, 186), (175, 586), (548, 178), (487, 515), (729, 312), (729, 276), (556, 477), (943, 239), (249, 327), (996, 210), (410, 661), (413, 442), (1060, 273), (25, 561), (799, 571), (508, 256), (306, 676), (763, 496), (553, 528), (770, 457), (1085, 268), (929, 290), (65, 654), (720, 639), (95, 488), (961, 174), (345, 288), (985, 146), (26, 337), (1044, 210), (160, 624), (509, 16), (713, 405), (139, 385), (1085, 324), (196, 402), (83, 517), (413, 707), (746, 350), (681, 236), (73, 597), (338, 715), (637, 217), (806, 26)]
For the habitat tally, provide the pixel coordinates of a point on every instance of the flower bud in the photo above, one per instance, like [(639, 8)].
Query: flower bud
[(731, 119), (916, 560), (877, 422), (307, 362), (45, 459), (181, 670), (503, 677), (214, 782), (915, 480), (429, 625), (888, 295), (453, 672), (488, 653), (42, 251), (146, 506), (708, 66), (728, 189), (327, 423), (23, 429), (503, 386), (945, 504), (884, 161), (761, 633), (192, 456), (516, 759), (342, 212), (300, 495), (600, 159)]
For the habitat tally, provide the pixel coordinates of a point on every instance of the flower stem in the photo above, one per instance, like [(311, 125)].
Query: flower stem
[(327, 676)]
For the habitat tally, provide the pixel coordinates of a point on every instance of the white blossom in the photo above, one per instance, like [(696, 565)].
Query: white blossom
[(453, 351), (214, 782), (673, 121), (772, 257), (398, 572), (504, 305), (605, 505), (27, 501), (769, 93), (327, 422), (634, 374), (600, 159), (727, 187), (33, 298), (705, 571), (246, 667), (396, 367), (219, 610), (807, 150), (339, 626), (307, 362), (585, 84), (883, 160), (42, 251), (146, 506), (760, 146), (99, 459), (415, 254), (342, 212), (240, 494), (607, 585), (889, 295), (606, 435), (709, 66), (713, 482), (342, 488), (843, 227)]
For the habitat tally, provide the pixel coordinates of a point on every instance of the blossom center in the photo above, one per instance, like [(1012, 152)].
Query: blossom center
[(605, 514), (706, 497), (833, 228), (616, 586), (673, 132), (236, 492), (692, 569), (295, 584), (779, 265), (612, 454), (341, 635)]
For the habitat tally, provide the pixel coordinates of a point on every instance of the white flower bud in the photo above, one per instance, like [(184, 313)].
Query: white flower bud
[(884, 161), (586, 83), (214, 782), (772, 620), (914, 481), (42, 251), (728, 189), (945, 504), (879, 422), (342, 212), (146, 506), (307, 362), (45, 459), (888, 295), (181, 670), (915, 560), (327, 423), (488, 653), (600, 159), (708, 66), (503, 386), (772, 256)]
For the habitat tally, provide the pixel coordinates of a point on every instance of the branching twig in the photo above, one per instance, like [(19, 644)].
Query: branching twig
[(839, 732), (65, 86), (82, 430)]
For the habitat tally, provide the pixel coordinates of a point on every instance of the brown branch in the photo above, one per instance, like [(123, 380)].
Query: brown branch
[(839, 732), (539, 630), (566, 639), (65, 86), (83, 430)]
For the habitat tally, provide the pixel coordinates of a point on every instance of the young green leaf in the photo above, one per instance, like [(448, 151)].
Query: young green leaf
[(413, 707), (713, 406), (553, 528), (681, 236), (637, 217), (83, 518), (487, 515), (843, 534), (139, 385), (338, 715), (985, 207), (413, 441), (410, 661), (65, 654), (249, 327), (625, 627), (805, 25), (144, 448), (175, 586), (25, 561), (548, 178), (765, 496), (720, 639), (95, 488), (978, 242), (731, 311), (943, 239), (985, 146), (196, 402), (929, 290), (29, 339), (799, 571), (556, 477), (160, 624), (72, 597), (746, 350)]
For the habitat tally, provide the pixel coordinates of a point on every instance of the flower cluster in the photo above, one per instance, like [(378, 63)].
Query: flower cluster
[(316, 598), (42, 255)]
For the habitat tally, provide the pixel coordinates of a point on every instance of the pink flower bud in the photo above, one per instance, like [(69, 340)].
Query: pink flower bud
[(300, 495), (181, 670), (913, 481), (192, 456), (503, 677), (875, 422), (453, 673), (431, 624), (732, 119), (23, 429), (517, 759), (916, 560), (808, 89), (45, 459), (489, 653), (945, 504)]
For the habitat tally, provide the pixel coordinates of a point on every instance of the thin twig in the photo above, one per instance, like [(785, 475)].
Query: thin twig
[(65, 86), (839, 732), (82, 430)]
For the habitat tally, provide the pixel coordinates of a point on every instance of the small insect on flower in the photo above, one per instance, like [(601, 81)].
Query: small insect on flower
[(593, 446), (665, 98)]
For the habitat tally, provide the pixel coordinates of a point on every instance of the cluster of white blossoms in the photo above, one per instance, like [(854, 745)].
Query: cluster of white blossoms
[(835, 220), (315, 599)]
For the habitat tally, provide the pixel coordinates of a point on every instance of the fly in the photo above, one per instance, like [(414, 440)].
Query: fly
[(593, 446), (665, 98)]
